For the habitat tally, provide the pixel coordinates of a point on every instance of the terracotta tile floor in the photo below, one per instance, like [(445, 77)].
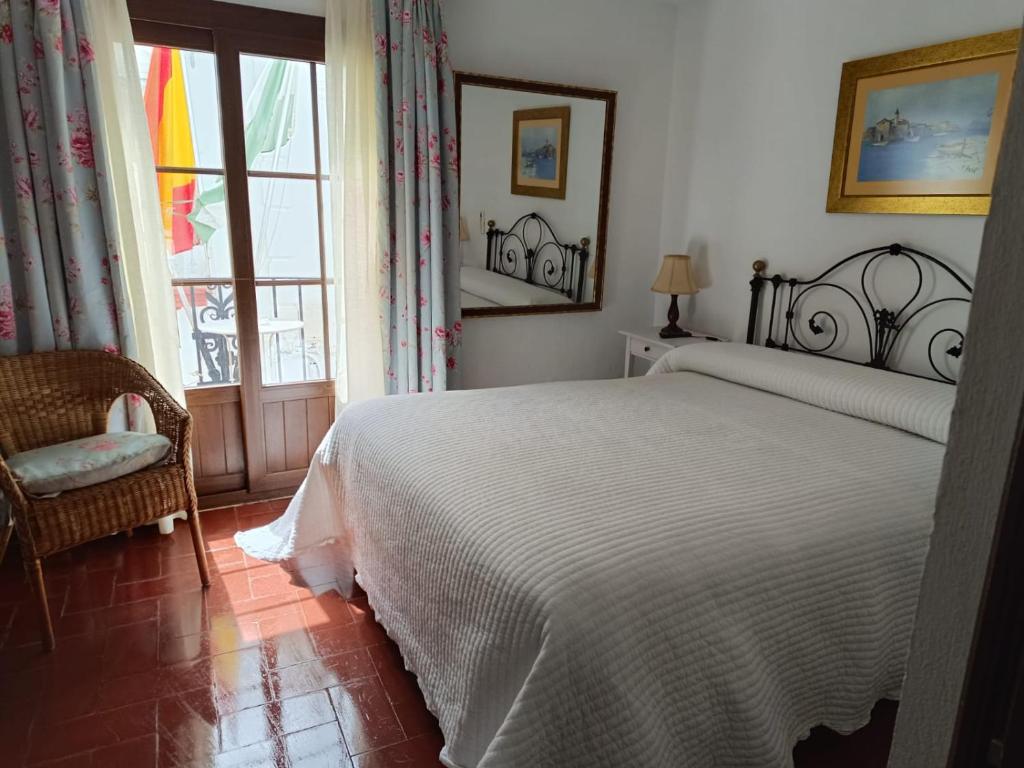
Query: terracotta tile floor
[(151, 671)]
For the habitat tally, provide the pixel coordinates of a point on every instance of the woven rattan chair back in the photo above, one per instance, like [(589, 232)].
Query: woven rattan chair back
[(53, 397)]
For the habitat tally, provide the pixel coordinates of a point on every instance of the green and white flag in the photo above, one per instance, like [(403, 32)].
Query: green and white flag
[(270, 128)]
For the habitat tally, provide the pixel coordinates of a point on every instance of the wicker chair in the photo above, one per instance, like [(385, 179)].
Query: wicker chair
[(53, 397)]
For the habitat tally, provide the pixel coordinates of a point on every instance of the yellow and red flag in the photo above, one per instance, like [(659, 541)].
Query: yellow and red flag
[(171, 134)]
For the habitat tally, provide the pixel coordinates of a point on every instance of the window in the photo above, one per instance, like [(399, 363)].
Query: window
[(283, 132), (286, 156)]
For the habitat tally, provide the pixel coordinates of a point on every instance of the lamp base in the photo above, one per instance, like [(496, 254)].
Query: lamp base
[(673, 331)]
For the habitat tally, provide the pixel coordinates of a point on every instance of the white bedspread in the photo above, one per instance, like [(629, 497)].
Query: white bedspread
[(678, 570), (504, 291)]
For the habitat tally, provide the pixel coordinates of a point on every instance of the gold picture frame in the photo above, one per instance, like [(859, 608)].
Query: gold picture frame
[(941, 157), (540, 170)]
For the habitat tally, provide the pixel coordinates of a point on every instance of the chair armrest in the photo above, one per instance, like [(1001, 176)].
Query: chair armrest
[(174, 423), (19, 506), (171, 419), (9, 486)]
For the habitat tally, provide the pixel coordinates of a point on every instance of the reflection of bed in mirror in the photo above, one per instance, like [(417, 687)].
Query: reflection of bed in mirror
[(527, 265)]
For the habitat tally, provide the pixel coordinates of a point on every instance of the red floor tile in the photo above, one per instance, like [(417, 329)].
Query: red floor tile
[(325, 610), (139, 564), (131, 649), (347, 637), (259, 670), (173, 564), (93, 732), (262, 755), (402, 691), (315, 747), (278, 583), (184, 613), (269, 721), (16, 723), (133, 753), (366, 716), (135, 591), (188, 728), (89, 590), (286, 649), (133, 689), (420, 752)]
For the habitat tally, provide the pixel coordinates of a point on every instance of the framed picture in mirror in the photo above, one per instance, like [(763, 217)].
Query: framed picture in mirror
[(534, 231), (540, 151)]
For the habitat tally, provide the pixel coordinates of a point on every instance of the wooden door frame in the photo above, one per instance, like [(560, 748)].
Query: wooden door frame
[(994, 690), (236, 186), (229, 30), (212, 15), (229, 47)]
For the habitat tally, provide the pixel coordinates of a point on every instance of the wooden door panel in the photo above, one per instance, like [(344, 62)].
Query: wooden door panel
[(234, 448), (274, 436), (319, 416), (211, 443), (218, 443), (293, 430)]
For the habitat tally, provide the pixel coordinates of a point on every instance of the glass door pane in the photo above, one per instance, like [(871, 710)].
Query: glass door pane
[(278, 104), (285, 227), (182, 109), (285, 163)]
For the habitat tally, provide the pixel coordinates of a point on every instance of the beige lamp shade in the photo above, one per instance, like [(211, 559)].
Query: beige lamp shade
[(676, 276), (463, 229)]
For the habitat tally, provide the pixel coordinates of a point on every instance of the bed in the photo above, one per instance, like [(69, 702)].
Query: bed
[(714, 558)]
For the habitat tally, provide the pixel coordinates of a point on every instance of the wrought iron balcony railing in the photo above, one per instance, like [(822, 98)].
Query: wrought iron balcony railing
[(291, 343)]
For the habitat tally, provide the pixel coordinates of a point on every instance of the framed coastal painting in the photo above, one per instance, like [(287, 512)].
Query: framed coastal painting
[(919, 131), (540, 151)]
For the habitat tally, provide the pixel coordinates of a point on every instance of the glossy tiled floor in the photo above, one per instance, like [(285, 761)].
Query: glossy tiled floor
[(151, 671)]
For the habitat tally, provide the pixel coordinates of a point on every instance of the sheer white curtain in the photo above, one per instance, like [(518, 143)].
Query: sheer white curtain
[(352, 138), (122, 118)]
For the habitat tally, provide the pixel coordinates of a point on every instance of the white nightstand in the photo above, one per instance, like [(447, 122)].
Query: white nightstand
[(646, 344)]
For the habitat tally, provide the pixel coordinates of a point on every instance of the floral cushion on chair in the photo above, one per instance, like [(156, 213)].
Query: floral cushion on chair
[(91, 460)]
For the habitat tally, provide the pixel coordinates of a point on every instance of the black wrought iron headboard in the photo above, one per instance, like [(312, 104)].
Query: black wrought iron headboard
[(531, 243), (883, 326)]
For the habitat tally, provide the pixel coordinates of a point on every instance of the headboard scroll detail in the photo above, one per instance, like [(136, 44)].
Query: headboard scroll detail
[(883, 325), (530, 251)]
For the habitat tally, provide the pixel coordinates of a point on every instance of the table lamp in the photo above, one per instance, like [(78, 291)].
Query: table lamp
[(675, 278)]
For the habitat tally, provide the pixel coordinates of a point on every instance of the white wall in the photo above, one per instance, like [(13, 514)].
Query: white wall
[(740, 187), (622, 46), (487, 115)]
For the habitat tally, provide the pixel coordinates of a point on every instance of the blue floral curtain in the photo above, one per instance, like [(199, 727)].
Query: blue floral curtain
[(61, 284), (419, 196)]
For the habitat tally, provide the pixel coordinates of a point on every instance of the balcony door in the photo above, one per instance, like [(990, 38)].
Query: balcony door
[(237, 122)]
